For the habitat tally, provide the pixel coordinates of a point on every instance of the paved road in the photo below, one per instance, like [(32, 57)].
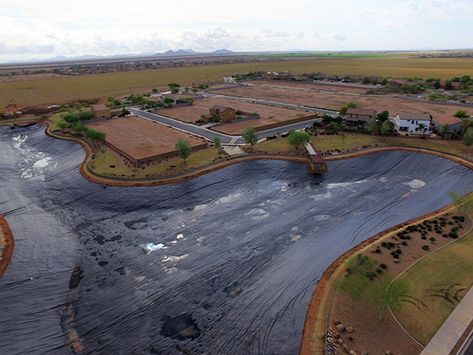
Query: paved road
[(186, 127), (210, 134), (276, 103), (450, 333)]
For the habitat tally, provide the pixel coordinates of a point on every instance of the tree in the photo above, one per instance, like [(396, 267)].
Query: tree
[(85, 115), (468, 137), (448, 85), (345, 108), (444, 130), (183, 148), (71, 118), (383, 116), (78, 127), (298, 138), (94, 135), (168, 101), (334, 127), (250, 137), (387, 128), (462, 114), (372, 125), (217, 142)]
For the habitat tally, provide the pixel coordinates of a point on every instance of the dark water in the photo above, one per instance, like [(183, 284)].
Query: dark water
[(221, 264)]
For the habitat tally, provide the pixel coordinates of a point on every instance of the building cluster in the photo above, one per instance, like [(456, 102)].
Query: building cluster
[(407, 123)]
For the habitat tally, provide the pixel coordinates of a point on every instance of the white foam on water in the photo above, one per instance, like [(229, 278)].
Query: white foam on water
[(200, 207), (174, 258), (321, 217), (148, 248), (295, 237), (42, 163), (415, 184), (180, 236), (34, 162), (383, 179), (257, 214), (321, 197), (344, 185), (229, 198)]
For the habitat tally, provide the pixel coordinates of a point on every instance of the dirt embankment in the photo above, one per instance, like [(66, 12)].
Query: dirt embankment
[(6, 245)]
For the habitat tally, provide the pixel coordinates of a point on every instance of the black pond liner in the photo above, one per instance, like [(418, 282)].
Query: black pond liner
[(225, 263)]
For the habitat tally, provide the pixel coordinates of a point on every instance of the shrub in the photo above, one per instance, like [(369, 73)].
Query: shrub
[(71, 118), (425, 247), (453, 235), (85, 115)]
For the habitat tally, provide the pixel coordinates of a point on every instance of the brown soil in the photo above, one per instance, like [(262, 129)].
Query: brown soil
[(334, 101), (268, 114), (139, 139), (6, 245), (317, 86), (371, 333)]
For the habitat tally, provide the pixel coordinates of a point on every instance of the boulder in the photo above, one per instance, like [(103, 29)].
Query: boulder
[(341, 328)]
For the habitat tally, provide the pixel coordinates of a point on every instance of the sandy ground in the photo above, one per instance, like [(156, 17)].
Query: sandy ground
[(140, 138), (333, 101), (269, 114), (345, 88)]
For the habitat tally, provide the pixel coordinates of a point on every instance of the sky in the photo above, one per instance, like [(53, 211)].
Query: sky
[(33, 29)]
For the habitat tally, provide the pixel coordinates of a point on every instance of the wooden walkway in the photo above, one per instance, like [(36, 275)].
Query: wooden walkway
[(451, 335)]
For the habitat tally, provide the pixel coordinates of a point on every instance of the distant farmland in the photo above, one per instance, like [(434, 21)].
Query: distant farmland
[(63, 89)]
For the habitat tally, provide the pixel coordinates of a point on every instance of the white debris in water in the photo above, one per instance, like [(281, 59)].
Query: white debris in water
[(229, 198), (257, 214), (42, 163), (294, 235), (344, 185), (415, 184), (200, 207), (34, 162), (321, 217), (383, 179), (148, 248), (173, 258), (284, 187), (320, 197), (180, 236)]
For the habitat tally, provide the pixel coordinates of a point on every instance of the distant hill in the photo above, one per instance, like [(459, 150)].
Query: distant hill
[(179, 52), (222, 51)]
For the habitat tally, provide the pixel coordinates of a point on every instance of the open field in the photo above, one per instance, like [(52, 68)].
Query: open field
[(63, 89), (280, 91), (316, 86), (140, 139)]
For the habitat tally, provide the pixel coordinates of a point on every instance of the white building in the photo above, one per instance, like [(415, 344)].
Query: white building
[(413, 123)]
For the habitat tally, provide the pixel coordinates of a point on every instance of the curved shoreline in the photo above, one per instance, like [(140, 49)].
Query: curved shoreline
[(9, 245), (102, 180), (315, 321)]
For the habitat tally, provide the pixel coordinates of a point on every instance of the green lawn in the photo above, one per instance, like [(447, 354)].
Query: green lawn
[(438, 282), (352, 141)]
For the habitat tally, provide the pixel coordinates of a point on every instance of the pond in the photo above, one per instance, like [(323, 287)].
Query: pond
[(223, 263)]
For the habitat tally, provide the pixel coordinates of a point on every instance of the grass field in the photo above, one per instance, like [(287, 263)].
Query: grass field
[(450, 271), (63, 89), (352, 141), (106, 157)]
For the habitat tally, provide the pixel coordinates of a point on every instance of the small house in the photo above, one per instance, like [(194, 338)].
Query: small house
[(413, 123), (224, 113), (358, 115), (454, 124), (101, 111)]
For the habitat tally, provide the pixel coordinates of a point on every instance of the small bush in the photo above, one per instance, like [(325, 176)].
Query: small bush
[(453, 235), (425, 247)]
